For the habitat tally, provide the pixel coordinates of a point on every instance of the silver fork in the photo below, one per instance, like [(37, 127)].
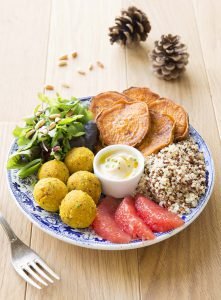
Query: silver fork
[(26, 262)]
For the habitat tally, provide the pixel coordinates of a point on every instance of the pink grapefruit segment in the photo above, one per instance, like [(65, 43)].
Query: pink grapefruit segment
[(128, 220), (105, 224), (156, 217)]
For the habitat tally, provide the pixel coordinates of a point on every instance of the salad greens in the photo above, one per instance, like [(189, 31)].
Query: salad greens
[(47, 134)]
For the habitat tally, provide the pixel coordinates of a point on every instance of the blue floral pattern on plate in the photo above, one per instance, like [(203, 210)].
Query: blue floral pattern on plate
[(51, 223)]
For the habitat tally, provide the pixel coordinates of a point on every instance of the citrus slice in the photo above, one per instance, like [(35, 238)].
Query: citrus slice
[(105, 224), (128, 220), (159, 219)]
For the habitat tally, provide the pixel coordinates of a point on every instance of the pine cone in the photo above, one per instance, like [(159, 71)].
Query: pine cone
[(132, 26), (169, 57)]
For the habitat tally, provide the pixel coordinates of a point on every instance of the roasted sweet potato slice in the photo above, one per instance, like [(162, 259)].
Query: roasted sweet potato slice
[(124, 123), (177, 113), (106, 100), (160, 135), (141, 94)]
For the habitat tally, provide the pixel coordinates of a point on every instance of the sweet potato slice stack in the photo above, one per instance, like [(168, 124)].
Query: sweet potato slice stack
[(141, 94), (176, 112), (161, 134), (139, 118), (106, 100), (125, 123)]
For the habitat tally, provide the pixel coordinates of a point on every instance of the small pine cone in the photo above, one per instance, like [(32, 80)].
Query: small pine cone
[(169, 57), (132, 26)]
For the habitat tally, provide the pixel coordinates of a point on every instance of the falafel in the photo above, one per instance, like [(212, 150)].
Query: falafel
[(54, 168), (48, 193), (77, 209), (86, 182), (79, 159)]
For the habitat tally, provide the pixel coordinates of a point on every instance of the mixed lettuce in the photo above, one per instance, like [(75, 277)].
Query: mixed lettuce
[(48, 133)]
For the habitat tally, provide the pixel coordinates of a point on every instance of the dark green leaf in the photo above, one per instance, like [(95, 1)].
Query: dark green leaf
[(30, 168), (15, 160)]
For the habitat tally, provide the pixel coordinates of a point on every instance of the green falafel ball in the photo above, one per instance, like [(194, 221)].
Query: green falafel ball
[(79, 159), (86, 182), (54, 168), (77, 209), (48, 193)]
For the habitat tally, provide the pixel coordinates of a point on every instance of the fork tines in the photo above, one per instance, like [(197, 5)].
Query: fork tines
[(37, 272)]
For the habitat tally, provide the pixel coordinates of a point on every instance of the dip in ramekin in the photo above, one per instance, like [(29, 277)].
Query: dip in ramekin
[(119, 168)]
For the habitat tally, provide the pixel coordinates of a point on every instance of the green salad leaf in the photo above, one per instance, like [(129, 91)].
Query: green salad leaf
[(47, 134), (15, 160), (17, 132), (20, 158), (30, 168), (70, 120)]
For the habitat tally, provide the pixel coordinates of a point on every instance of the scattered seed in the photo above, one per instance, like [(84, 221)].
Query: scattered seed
[(91, 67), (62, 63), (54, 116), (30, 133), (44, 130), (38, 113), (39, 124), (65, 85), (69, 113), (74, 54), (81, 72), (52, 126), (100, 65), (63, 57), (49, 87), (57, 119)]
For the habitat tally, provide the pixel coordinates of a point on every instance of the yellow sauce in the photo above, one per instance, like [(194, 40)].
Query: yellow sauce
[(118, 164)]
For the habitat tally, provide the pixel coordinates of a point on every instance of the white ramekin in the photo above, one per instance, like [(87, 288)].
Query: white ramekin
[(122, 187)]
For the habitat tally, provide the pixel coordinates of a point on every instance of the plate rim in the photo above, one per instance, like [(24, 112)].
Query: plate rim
[(112, 246)]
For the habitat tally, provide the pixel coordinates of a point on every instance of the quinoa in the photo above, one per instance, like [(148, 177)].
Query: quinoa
[(175, 177)]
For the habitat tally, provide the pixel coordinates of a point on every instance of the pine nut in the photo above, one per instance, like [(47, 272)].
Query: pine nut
[(62, 63), (52, 126), (57, 119), (63, 57), (81, 72), (49, 87), (43, 130), (30, 133), (100, 65), (65, 85), (54, 116), (74, 54), (69, 113), (39, 124)]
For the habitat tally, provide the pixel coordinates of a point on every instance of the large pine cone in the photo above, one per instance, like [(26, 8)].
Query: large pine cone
[(132, 26), (169, 57)]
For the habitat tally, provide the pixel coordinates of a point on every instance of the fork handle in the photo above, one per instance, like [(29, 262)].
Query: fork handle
[(11, 235)]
